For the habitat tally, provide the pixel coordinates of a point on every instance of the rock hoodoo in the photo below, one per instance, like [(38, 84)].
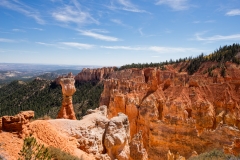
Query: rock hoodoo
[(117, 136), (68, 89), (137, 150)]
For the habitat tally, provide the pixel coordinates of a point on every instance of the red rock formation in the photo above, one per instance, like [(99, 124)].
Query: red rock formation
[(58, 79), (234, 148), (176, 111), (98, 74), (68, 89), (93, 137), (137, 150), (18, 123), (177, 156), (117, 137)]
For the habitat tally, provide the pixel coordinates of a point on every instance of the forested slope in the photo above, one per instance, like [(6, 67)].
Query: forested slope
[(45, 97)]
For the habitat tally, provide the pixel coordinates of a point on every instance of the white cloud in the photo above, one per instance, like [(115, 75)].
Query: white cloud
[(157, 49), (7, 40), (196, 22), (120, 23), (98, 36), (67, 45), (126, 5), (24, 9), (99, 30), (173, 49), (39, 29), (73, 14), (117, 21), (124, 48), (177, 5), (140, 31), (17, 30), (217, 37), (45, 44), (78, 45), (234, 12), (210, 21)]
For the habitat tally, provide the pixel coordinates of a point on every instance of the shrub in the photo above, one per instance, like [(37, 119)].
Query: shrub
[(32, 150), (214, 155), (58, 154)]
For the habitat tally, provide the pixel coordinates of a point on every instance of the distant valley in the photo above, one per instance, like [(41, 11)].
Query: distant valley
[(26, 72)]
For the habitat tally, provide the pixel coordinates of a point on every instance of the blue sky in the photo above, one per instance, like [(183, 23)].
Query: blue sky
[(114, 32)]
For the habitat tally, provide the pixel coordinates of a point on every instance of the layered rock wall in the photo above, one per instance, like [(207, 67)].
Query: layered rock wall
[(175, 111), (98, 74)]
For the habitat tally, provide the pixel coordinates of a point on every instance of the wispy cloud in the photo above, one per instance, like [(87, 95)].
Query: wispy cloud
[(174, 49), (234, 12), (196, 22), (217, 37), (98, 36), (117, 21), (158, 49), (45, 44), (39, 29), (208, 21), (99, 30), (177, 5), (140, 31), (125, 5), (128, 6), (78, 45), (124, 48), (22, 8), (17, 30), (73, 14), (64, 45), (7, 40)]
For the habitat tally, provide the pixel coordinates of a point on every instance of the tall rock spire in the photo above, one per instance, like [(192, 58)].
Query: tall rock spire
[(68, 89)]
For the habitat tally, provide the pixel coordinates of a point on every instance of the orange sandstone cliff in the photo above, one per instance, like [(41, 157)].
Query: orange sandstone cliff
[(177, 112), (98, 74)]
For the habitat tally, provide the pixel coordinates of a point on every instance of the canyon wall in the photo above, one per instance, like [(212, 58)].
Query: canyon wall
[(176, 111), (98, 74)]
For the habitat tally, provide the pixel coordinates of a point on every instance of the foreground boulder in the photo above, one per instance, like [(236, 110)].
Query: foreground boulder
[(18, 123)]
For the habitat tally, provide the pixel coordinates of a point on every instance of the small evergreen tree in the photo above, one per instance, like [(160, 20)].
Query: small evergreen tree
[(33, 151), (223, 72)]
